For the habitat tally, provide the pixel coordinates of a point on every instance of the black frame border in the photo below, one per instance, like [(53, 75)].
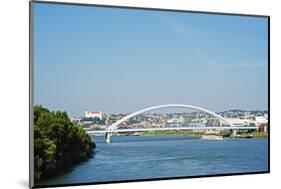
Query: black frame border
[(31, 91)]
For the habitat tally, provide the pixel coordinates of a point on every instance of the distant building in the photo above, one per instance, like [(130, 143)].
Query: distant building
[(177, 120), (75, 119), (261, 120), (157, 124), (91, 114), (238, 121), (247, 115)]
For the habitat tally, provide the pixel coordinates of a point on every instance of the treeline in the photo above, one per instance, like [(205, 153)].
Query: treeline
[(58, 144)]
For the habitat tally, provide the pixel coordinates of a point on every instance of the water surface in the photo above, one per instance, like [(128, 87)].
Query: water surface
[(144, 157)]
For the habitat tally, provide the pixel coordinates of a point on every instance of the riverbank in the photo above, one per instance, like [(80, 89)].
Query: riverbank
[(253, 135), (180, 133), (185, 133), (169, 133), (59, 145), (260, 135)]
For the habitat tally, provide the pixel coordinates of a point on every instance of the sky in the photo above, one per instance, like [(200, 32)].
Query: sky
[(118, 60)]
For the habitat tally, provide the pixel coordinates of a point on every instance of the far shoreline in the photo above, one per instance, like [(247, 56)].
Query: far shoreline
[(199, 134)]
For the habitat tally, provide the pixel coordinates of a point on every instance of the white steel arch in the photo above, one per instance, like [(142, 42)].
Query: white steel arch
[(115, 125)]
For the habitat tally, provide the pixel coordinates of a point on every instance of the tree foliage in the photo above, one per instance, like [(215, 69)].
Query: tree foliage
[(58, 144)]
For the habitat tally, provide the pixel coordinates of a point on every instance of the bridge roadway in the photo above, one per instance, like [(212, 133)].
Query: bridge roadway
[(170, 128)]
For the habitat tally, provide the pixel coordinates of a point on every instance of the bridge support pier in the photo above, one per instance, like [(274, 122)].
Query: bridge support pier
[(234, 132), (107, 138)]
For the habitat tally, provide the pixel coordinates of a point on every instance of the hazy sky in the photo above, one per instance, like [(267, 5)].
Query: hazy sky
[(122, 60)]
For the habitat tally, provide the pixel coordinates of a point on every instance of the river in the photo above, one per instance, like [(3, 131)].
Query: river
[(144, 157)]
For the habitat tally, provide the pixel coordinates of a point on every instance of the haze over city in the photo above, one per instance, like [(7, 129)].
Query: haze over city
[(151, 58)]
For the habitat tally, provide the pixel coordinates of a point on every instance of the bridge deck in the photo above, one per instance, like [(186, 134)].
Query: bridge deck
[(169, 128)]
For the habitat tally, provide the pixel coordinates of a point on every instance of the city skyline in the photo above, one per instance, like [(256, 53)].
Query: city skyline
[(83, 114), (121, 60)]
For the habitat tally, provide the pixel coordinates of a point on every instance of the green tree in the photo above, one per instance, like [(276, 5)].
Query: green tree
[(58, 144)]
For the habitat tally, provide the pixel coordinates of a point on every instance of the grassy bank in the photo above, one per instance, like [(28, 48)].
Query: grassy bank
[(177, 133), (260, 135), (169, 133), (188, 133), (252, 135)]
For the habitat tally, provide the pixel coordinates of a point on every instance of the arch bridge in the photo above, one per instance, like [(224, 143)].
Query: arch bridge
[(226, 125)]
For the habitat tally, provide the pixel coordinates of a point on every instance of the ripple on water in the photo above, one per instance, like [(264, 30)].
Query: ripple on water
[(137, 157)]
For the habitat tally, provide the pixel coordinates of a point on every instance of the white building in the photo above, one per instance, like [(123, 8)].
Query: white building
[(176, 120), (261, 120), (77, 119), (238, 121), (247, 115), (172, 120), (91, 114)]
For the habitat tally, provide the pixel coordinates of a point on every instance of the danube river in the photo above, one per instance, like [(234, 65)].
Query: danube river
[(143, 157)]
